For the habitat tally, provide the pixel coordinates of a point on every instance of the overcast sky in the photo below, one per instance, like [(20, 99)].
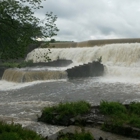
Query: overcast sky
[(80, 20)]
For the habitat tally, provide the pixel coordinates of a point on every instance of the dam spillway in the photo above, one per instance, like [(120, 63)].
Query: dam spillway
[(120, 59), (29, 75), (115, 54), (91, 43)]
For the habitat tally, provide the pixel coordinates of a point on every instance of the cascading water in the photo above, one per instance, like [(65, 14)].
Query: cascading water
[(121, 60), (23, 75), (23, 102)]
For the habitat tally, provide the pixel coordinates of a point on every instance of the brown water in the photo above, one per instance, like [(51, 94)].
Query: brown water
[(30, 74)]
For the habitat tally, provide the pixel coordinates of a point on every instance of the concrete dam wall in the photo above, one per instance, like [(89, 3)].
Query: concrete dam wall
[(91, 43)]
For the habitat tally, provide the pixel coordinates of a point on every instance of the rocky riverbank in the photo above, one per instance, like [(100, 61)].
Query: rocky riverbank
[(94, 121), (96, 132)]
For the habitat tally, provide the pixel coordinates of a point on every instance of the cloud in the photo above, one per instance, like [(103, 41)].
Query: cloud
[(84, 20)]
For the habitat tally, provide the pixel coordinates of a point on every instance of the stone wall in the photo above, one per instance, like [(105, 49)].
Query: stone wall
[(2, 69), (86, 70)]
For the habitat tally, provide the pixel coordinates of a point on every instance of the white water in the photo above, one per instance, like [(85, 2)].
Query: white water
[(22, 102), (6, 85), (115, 54), (120, 60)]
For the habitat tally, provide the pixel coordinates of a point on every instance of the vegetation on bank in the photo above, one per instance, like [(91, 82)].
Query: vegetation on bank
[(16, 64), (122, 118), (16, 132), (63, 112), (76, 136), (118, 118), (122, 114), (117, 113)]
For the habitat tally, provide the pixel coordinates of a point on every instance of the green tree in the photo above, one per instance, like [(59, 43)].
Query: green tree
[(52, 40), (19, 26)]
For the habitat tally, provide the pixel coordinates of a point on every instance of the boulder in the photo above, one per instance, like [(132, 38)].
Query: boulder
[(94, 68)]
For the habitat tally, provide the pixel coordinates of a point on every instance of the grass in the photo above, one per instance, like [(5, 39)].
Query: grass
[(16, 132), (117, 113), (64, 111), (76, 136), (134, 108), (112, 108), (121, 116)]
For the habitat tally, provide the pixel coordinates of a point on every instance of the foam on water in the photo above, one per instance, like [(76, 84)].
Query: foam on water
[(114, 54), (121, 82), (5, 85), (25, 113), (45, 68), (118, 79), (121, 60)]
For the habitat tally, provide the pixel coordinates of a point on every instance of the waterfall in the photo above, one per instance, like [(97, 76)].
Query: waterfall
[(29, 75), (120, 59)]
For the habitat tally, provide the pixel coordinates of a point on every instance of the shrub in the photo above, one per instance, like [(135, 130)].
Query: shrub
[(16, 132), (76, 136), (121, 118), (99, 59), (63, 112), (134, 120), (112, 108), (134, 108)]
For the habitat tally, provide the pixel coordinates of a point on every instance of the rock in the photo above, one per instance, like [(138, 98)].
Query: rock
[(97, 133), (2, 69), (87, 70), (95, 119)]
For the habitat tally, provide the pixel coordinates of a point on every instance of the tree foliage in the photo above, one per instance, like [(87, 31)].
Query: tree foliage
[(19, 26)]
